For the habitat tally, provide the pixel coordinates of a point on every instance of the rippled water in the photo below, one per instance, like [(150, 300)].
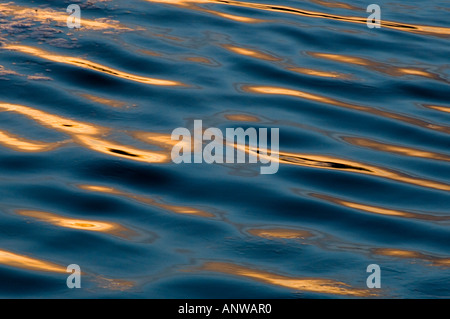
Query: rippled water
[(86, 175)]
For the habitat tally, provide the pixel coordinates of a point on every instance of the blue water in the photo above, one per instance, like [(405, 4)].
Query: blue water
[(86, 176)]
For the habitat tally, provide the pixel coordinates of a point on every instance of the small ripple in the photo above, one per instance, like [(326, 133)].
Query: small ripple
[(395, 149), (380, 210), (270, 57), (272, 90), (384, 68), (81, 224), (84, 134), (29, 263), (24, 262), (333, 163), (279, 233), (413, 28), (438, 108), (103, 100), (21, 144), (27, 15), (86, 64), (336, 4), (148, 201), (317, 285), (410, 254)]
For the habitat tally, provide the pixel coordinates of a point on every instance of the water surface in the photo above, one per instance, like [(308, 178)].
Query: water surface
[(87, 178)]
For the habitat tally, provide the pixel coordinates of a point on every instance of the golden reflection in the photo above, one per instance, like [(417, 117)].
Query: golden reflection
[(24, 262), (147, 200), (242, 118), (320, 73), (378, 66), (28, 263), (250, 52), (380, 210), (346, 59), (438, 108), (334, 163), (38, 78), (273, 90), (114, 284), (290, 92), (4, 71), (82, 224), (199, 59), (402, 150), (192, 6), (149, 52), (414, 28), (53, 121), (86, 64), (21, 144), (102, 100), (408, 254), (272, 58), (119, 150), (279, 233), (44, 15), (84, 134), (326, 162), (161, 140), (227, 15), (316, 285), (336, 4)]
